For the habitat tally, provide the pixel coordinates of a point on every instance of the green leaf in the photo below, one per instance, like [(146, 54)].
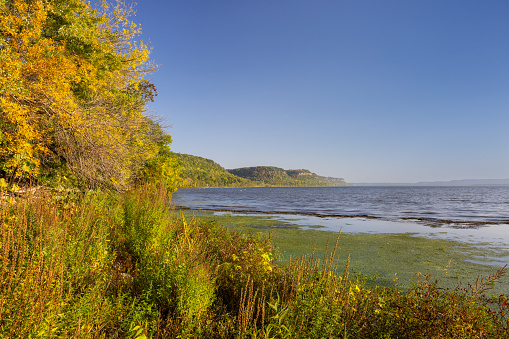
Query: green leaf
[(25, 167)]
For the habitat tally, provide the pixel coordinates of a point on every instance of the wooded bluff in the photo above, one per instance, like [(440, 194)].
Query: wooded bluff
[(202, 172)]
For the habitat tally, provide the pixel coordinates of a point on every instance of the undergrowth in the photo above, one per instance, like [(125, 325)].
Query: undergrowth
[(102, 265)]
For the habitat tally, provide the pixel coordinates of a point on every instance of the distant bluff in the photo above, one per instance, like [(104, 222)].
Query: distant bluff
[(201, 172), (275, 176)]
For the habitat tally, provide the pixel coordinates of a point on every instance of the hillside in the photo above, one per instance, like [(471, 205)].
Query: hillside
[(275, 176), (201, 172)]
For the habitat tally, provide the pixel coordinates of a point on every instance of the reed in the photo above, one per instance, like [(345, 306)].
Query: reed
[(103, 265)]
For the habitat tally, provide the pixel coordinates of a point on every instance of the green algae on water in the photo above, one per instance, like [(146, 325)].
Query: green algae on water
[(385, 259)]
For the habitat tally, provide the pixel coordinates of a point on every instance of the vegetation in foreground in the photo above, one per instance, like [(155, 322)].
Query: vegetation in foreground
[(73, 97), (76, 263), (119, 265), (387, 259)]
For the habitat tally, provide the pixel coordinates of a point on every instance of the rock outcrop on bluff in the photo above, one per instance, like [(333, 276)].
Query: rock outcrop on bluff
[(201, 172), (275, 176)]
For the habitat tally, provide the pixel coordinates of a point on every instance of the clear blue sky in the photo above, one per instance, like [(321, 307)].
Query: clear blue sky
[(371, 91)]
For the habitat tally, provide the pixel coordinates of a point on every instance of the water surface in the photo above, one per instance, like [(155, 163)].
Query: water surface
[(468, 204), (477, 215)]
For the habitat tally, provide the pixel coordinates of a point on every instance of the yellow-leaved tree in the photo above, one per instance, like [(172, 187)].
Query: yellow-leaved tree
[(73, 93)]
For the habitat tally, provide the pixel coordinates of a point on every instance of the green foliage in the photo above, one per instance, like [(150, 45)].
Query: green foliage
[(110, 265), (164, 168), (201, 172), (275, 176), (73, 94)]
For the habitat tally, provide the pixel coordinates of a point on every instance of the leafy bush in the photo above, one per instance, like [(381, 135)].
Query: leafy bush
[(110, 265)]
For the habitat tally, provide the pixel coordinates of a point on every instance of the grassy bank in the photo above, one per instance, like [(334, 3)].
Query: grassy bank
[(120, 266)]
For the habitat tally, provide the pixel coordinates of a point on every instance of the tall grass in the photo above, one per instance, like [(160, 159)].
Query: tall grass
[(101, 265)]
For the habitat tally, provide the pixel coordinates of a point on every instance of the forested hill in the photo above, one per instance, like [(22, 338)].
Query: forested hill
[(202, 172), (275, 176)]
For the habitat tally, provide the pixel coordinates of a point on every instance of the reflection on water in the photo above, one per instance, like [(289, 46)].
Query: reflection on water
[(493, 238), (497, 235)]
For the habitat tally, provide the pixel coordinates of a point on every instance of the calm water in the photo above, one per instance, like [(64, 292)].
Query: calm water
[(478, 215), (469, 204)]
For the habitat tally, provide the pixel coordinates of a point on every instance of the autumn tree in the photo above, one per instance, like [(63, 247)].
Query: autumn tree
[(164, 168), (73, 92)]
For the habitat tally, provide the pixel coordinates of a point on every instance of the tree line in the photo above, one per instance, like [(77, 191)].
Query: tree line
[(201, 172), (275, 176), (73, 96)]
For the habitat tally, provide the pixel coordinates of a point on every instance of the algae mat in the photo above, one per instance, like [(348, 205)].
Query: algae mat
[(386, 259)]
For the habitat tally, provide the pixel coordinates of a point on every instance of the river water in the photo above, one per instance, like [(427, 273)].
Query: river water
[(469, 205), (473, 214)]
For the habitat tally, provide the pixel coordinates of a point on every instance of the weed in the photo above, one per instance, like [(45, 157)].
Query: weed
[(102, 265)]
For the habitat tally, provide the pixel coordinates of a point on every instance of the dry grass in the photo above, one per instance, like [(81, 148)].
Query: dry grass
[(120, 266)]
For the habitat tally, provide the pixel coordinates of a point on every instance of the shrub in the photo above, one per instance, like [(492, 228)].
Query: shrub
[(110, 265)]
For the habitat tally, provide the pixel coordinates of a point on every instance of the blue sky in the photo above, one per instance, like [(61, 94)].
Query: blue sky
[(371, 91)]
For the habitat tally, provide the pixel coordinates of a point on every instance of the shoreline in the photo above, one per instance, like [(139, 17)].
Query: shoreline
[(427, 221), (379, 249)]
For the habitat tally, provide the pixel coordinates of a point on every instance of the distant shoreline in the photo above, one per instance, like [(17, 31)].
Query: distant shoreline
[(462, 182)]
